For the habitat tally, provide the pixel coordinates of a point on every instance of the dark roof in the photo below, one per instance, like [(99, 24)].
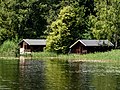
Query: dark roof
[(34, 41), (94, 43)]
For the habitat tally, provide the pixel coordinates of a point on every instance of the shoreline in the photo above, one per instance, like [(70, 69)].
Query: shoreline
[(111, 56), (99, 61), (51, 58), (9, 58)]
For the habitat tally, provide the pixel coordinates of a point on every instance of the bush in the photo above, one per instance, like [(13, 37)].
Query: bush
[(8, 48)]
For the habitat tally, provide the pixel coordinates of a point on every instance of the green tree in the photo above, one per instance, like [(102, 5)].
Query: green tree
[(105, 25), (33, 18), (55, 7), (64, 30), (22, 18), (30, 16), (7, 19)]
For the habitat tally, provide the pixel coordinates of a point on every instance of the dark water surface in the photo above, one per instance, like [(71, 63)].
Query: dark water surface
[(58, 75)]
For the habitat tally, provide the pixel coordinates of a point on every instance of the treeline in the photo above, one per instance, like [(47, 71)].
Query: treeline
[(60, 21)]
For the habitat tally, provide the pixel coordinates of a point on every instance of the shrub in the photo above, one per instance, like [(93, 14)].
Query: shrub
[(8, 48)]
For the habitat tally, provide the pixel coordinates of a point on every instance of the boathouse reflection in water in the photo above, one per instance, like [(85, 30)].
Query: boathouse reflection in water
[(58, 75)]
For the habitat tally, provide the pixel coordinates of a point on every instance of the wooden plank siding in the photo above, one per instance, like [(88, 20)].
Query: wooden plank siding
[(31, 45), (90, 46), (79, 48)]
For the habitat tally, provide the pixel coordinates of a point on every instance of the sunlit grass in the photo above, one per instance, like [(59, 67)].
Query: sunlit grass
[(110, 55), (8, 49)]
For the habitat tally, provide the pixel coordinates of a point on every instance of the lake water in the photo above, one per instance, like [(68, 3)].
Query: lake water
[(58, 75)]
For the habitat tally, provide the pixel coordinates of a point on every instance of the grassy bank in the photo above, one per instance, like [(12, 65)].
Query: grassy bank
[(9, 49), (110, 55)]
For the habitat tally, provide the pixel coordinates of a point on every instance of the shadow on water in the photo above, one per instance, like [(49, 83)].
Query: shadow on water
[(58, 75)]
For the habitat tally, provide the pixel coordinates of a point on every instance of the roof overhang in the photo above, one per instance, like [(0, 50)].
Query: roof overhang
[(93, 45), (29, 43), (77, 42)]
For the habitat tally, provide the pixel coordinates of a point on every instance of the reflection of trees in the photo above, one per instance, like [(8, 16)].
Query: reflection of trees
[(32, 75), (117, 81), (103, 76), (80, 78), (62, 75), (9, 74), (93, 76), (57, 77)]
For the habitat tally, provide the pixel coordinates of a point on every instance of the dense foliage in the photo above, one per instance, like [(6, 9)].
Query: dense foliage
[(106, 23), (64, 30), (60, 21), (9, 48)]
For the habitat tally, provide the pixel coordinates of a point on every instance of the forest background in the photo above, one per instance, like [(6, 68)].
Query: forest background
[(61, 22)]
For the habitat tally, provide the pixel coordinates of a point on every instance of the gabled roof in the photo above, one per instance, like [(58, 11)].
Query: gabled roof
[(93, 43), (34, 41)]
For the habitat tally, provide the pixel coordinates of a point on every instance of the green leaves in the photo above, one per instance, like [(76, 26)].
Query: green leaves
[(104, 24), (63, 30), (56, 41), (61, 21)]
